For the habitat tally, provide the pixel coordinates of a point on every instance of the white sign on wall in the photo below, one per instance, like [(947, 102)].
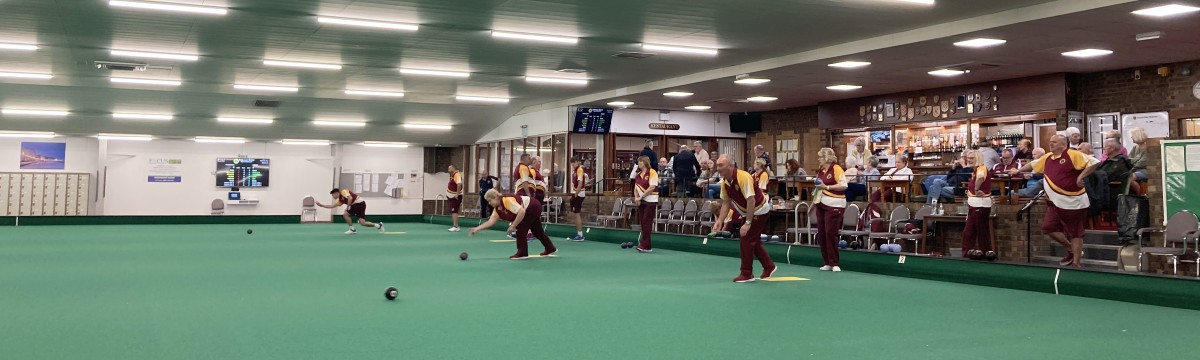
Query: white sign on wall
[(165, 170), (1156, 124)]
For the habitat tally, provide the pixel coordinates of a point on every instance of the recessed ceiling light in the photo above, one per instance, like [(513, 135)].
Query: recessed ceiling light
[(366, 23), (127, 116), (220, 140), (302, 65), (340, 123), (620, 103), (1167, 10), (25, 75), (762, 98), (536, 37), (27, 134), (482, 99), (145, 82), (922, 2), (546, 80), (236, 120), (305, 142), (849, 64), (844, 87), (679, 49), (980, 43), (374, 93), (457, 74), (947, 72), (678, 94), (125, 137), (210, 10), (384, 144), (22, 47), (34, 112), (265, 88), (751, 81), (154, 55), (427, 127), (698, 107), (1087, 53)]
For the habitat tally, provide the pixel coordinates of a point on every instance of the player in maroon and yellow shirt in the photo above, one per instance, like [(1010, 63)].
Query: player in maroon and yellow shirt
[(740, 191), (645, 194), (454, 193), (525, 214), (977, 233), (536, 178), (832, 183), (522, 182), (1066, 198), (355, 206), (578, 194)]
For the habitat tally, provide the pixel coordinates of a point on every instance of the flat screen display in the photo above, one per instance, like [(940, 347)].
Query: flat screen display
[(243, 172), (592, 120), (881, 136)]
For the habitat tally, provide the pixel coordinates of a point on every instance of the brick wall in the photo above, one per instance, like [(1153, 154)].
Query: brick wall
[(438, 158)]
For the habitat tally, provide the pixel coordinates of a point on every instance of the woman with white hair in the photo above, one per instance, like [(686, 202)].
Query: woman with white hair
[(1074, 137), (1138, 156), (831, 181), (856, 156), (977, 237)]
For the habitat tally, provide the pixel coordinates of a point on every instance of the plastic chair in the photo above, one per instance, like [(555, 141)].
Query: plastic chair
[(915, 238), (218, 207), (308, 206)]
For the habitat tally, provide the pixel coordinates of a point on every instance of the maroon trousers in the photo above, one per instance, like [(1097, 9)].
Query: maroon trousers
[(646, 212), (532, 223), (977, 233), (829, 224), (752, 247)]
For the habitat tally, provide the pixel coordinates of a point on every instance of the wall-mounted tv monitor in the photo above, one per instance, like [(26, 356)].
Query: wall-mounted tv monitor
[(592, 120), (243, 172), (881, 136), (745, 122)]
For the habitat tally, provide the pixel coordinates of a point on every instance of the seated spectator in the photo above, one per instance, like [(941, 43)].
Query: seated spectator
[(1007, 162), (1033, 182), (900, 172), (944, 187), (710, 181), (1024, 151), (794, 173), (665, 174), (1114, 134), (1116, 167), (858, 186), (1138, 156)]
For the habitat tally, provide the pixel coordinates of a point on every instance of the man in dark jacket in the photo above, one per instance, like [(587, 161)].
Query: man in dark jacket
[(649, 153), (685, 167), (945, 187)]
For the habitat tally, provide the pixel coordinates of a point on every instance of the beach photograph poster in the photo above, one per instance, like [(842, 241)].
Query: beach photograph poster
[(43, 155)]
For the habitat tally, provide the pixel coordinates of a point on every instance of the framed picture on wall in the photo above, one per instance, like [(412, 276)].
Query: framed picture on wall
[(43, 155), (889, 110)]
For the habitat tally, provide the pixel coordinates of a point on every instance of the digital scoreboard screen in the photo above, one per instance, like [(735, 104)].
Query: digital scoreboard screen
[(242, 172), (592, 120)]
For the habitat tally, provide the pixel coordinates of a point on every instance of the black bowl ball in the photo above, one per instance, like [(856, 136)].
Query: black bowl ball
[(391, 293), (249, 231), (462, 256)]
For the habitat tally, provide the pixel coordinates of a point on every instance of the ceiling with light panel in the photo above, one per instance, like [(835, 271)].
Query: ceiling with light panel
[(332, 70)]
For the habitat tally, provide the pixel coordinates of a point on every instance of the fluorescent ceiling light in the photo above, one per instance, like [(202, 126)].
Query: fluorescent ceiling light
[(127, 137), (366, 23), (679, 49), (698, 107), (374, 93), (34, 112), (546, 80), (980, 43), (762, 98), (154, 55), (22, 47), (678, 94), (265, 88), (751, 81), (849, 64), (25, 75), (126, 116), (1167, 10), (923, 2), (844, 87), (302, 65), (305, 142), (427, 127), (384, 144), (27, 134), (1087, 53), (535, 37), (457, 74), (220, 140), (620, 103), (145, 82), (947, 72), (340, 123), (482, 99), (245, 120), (211, 10)]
